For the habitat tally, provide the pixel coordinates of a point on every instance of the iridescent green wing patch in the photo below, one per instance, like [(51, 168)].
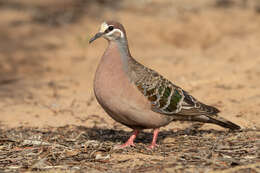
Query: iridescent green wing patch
[(174, 102), (165, 97)]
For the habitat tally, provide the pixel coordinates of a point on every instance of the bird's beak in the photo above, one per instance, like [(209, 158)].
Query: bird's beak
[(99, 34)]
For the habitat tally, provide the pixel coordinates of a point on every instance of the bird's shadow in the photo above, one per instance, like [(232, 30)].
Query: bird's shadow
[(112, 135)]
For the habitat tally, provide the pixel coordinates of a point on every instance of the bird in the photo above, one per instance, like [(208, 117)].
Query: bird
[(139, 97)]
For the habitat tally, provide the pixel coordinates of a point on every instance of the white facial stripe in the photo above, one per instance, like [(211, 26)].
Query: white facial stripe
[(103, 27), (115, 30)]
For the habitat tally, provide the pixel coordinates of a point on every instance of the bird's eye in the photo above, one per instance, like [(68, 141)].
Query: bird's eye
[(110, 28)]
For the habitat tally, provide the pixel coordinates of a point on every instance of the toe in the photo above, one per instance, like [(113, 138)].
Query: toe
[(124, 146), (152, 146)]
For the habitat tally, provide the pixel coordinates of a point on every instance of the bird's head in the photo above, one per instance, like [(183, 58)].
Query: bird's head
[(112, 31)]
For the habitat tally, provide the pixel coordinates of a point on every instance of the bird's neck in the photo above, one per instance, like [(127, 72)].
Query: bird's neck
[(123, 49)]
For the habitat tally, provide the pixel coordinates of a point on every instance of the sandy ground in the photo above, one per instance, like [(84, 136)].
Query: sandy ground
[(209, 48)]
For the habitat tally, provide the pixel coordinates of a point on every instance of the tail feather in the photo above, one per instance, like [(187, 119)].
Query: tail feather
[(223, 122)]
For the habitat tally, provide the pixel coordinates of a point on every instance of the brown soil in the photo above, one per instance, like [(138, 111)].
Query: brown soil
[(50, 120)]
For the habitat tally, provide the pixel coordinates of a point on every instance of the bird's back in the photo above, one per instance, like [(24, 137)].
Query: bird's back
[(164, 96), (170, 100)]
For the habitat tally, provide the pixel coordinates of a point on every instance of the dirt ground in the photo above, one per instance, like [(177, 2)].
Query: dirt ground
[(50, 120)]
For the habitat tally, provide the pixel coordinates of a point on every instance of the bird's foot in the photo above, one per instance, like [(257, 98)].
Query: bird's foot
[(130, 141), (152, 146), (127, 144)]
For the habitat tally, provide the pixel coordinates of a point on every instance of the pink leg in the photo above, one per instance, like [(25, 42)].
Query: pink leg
[(155, 135), (130, 141)]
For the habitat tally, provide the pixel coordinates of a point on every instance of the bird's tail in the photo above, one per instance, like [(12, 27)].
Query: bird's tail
[(223, 122)]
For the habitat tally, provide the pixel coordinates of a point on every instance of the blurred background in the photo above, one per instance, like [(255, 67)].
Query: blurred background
[(208, 47)]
